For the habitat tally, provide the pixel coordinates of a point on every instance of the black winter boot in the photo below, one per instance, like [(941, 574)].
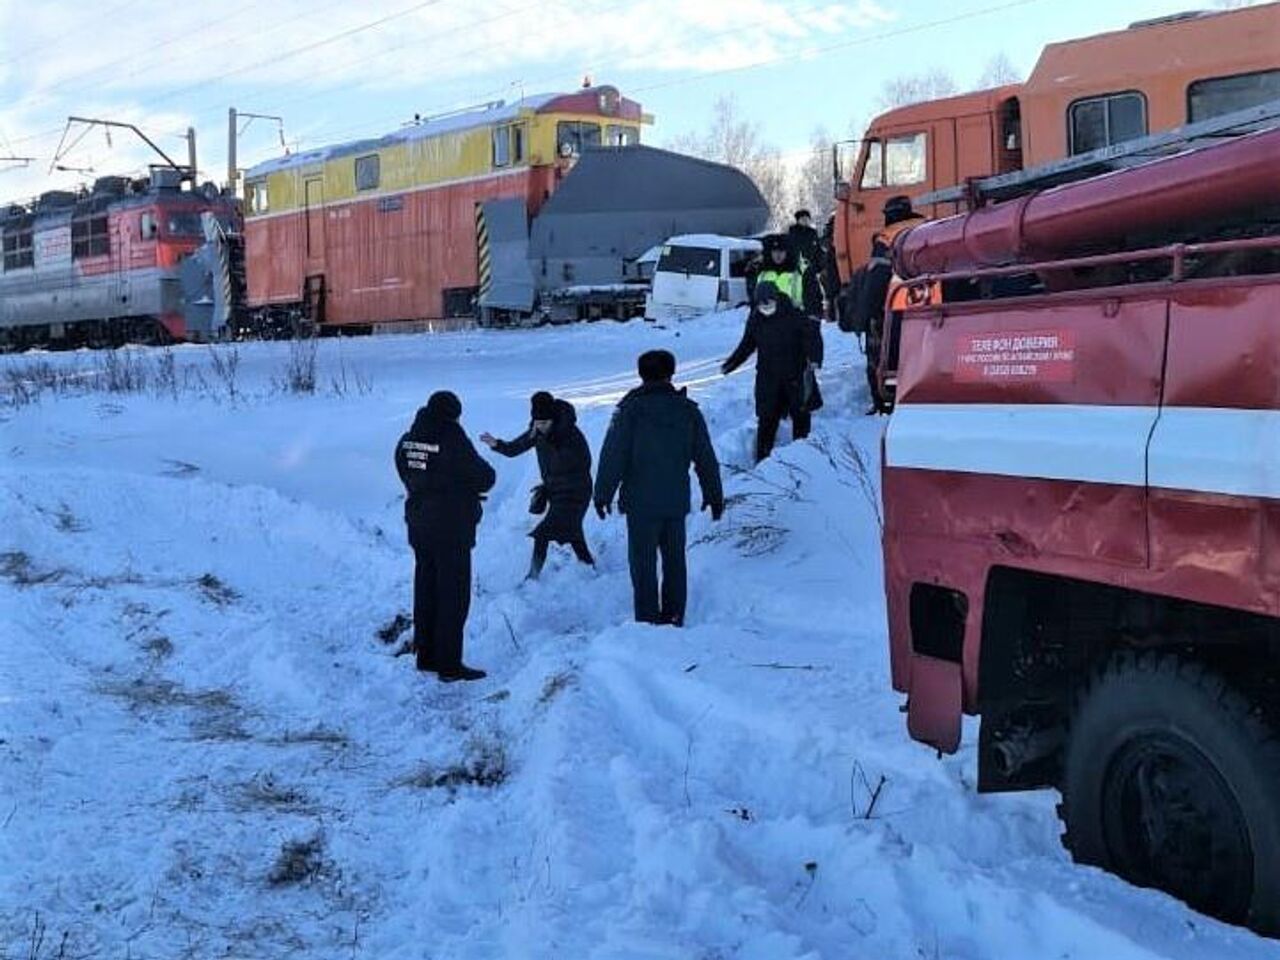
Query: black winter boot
[(460, 672)]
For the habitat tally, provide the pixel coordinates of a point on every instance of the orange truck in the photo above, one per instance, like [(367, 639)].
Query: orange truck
[(1082, 96)]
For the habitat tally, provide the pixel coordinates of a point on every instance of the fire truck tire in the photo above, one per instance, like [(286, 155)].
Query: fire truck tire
[(1172, 780)]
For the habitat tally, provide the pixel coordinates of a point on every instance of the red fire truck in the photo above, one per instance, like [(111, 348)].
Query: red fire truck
[(1081, 482)]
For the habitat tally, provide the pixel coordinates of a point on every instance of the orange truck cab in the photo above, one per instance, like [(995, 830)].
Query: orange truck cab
[(1083, 95)]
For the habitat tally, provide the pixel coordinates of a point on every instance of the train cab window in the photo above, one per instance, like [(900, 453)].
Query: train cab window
[(90, 237), (621, 136), (501, 146), (1212, 98), (186, 224), (572, 136), (1105, 121), (147, 227), (508, 145), (368, 172), (258, 201), (19, 249)]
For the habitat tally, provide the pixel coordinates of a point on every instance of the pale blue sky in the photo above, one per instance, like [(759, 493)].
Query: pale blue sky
[(337, 69)]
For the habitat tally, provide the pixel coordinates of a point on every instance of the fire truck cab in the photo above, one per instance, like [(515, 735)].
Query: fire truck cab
[(1081, 483)]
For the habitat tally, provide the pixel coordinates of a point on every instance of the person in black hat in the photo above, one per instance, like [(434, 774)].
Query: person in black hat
[(874, 288), (564, 460), (445, 480), (809, 261), (656, 433), (788, 345)]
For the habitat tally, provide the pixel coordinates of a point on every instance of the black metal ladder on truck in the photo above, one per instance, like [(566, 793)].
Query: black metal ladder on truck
[(1192, 136)]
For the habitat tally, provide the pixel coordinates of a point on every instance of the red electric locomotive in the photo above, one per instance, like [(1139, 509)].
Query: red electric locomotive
[(102, 267)]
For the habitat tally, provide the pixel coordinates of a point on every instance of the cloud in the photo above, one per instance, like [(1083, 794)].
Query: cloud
[(170, 66)]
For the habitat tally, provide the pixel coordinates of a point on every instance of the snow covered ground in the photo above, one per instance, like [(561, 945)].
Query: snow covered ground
[(207, 751)]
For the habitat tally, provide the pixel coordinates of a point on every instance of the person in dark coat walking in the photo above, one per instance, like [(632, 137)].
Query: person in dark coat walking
[(656, 433), (445, 480), (809, 260), (564, 460), (789, 348)]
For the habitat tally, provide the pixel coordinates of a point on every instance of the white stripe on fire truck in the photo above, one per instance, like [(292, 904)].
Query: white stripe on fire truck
[(1208, 450)]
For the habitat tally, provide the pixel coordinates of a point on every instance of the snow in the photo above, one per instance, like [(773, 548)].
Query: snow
[(206, 751)]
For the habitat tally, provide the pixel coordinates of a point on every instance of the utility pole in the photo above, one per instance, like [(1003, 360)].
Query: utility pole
[(235, 131), (191, 153), (232, 172)]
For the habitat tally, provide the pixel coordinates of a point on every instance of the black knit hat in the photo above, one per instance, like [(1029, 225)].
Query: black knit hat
[(897, 209), (445, 405), (766, 292), (542, 406), (655, 366)]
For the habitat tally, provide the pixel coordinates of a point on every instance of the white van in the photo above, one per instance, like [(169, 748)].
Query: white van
[(699, 273)]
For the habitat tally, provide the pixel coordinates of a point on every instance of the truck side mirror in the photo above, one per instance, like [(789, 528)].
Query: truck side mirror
[(842, 191)]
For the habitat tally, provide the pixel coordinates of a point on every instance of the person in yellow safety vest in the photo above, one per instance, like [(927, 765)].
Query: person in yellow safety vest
[(779, 268)]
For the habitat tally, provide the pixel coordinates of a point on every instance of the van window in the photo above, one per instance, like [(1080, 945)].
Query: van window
[(739, 260), (1212, 98), (695, 261), (1105, 121), (368, 172)]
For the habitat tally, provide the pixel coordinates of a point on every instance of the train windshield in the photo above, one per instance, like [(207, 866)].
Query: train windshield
[(184, 225), (572, 136)]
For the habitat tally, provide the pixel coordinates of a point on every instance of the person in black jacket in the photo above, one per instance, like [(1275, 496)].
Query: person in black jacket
[(445, 480), (809, 259), (789, 347), (564, 460), (655, 434)]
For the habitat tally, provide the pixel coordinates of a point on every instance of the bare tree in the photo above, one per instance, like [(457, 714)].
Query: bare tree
[(815, 187), (917, 88), (737, 142), (999, 72)]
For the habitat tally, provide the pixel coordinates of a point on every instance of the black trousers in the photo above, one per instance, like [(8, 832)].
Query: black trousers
[(540, 545), (441, 602), (783, 405), (647, 539)]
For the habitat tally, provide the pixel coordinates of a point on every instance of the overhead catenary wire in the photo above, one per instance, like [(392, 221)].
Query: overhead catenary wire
[(87, 23), (559, 79), (269, 61), (776, 60)]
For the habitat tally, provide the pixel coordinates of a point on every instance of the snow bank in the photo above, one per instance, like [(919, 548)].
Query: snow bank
[(206, 750)]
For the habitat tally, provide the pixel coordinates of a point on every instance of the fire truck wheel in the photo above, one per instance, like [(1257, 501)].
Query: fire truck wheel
[(1172, 780)]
